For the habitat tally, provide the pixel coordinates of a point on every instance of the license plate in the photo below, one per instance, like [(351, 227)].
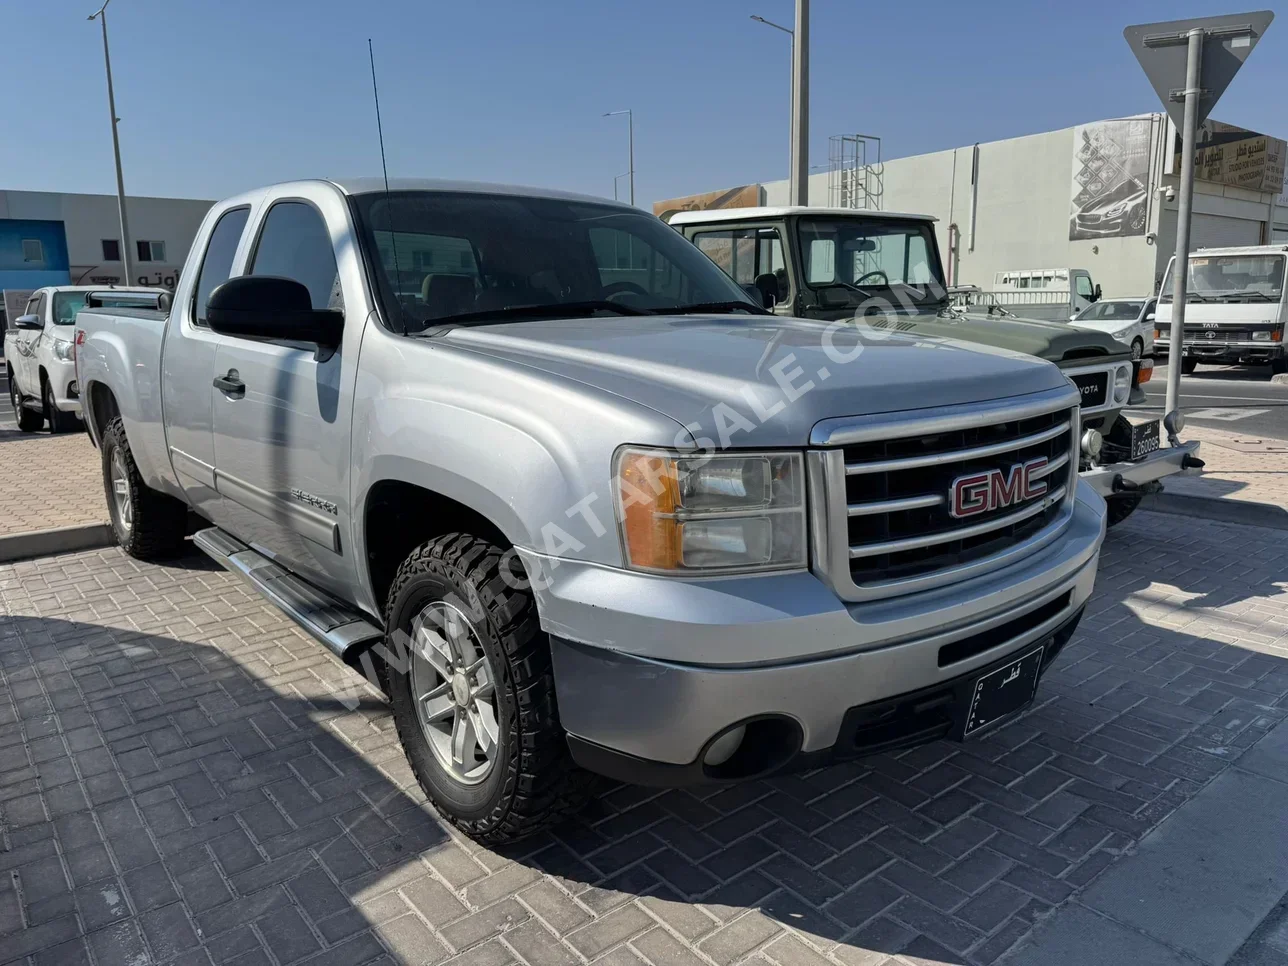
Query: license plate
[(1003, 692), (1093, 387), (1144, 438)]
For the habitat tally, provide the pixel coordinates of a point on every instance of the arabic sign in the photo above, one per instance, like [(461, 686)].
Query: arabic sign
[(163, 276), (1228, 154), (743, 196), (1110, 172)]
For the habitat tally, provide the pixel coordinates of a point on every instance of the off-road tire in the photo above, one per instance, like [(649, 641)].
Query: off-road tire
[(533, 783), (57, 420), (1188, 366), (28, 420), (1121, 507), (159, 521)]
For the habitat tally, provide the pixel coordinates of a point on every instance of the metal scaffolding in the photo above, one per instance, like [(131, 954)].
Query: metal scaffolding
[(854, 171)]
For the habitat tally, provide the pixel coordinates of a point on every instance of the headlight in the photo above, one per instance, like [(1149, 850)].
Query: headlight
[(1122, 334), (1265, 335), (684, 514), (1122, 384), (1116, 209), (64, 350)]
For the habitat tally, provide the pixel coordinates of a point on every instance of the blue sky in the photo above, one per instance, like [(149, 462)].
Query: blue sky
[(220, 96)]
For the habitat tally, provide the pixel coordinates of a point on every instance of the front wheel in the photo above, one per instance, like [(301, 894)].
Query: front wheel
[(28, 419), (149, 525), (59, 421), (1137, 350), (473, 696), (1121, 507), (1188, 366), (1278, 367)]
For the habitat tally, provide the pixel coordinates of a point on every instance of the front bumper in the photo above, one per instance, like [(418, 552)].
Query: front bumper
[(1161, 463), (654, 717), (1228, 353)]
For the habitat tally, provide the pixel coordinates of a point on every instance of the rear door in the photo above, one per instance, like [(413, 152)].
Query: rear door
[(282, 437), (189, 362)]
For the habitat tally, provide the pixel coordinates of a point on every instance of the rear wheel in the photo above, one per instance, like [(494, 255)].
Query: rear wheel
[(149, 525), (1188, 366), (474, 703), (29, 420)]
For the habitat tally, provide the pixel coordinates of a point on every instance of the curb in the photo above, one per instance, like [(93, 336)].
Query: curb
[(1215, 508), (44, 543)]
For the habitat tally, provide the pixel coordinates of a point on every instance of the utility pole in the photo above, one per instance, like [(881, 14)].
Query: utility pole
[(101, 15), (630, 146), (791, 100), (800, 106)]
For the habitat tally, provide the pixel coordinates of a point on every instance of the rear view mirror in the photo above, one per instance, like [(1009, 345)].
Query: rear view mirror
[(860, 245), (767, 285), (28, 322), (269, 307)]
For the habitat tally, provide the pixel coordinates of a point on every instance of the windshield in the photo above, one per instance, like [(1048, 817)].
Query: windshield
[(1110, 312), (444, 255), (1230, 278), (67, 304), (870, 255)]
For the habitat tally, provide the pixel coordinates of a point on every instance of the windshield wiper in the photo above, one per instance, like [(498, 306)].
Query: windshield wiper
[(556, 310), (712, 307), (1249, 296)]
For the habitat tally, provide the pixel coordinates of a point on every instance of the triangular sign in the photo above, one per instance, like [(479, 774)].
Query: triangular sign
[(1162, 49)]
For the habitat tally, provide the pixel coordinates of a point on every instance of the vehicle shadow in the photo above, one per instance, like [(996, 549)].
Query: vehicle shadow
[(249, 791)]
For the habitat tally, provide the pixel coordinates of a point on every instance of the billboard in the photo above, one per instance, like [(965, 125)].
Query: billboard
[(743, 196), (1109, 188), (1232, 155)]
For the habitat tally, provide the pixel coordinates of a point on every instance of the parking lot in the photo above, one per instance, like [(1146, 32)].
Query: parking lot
[(180, 782)]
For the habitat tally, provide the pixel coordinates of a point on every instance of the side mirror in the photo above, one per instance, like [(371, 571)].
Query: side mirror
[(767, 285), (269, 307), (1149, 316), (1095, 293), (28, 322)]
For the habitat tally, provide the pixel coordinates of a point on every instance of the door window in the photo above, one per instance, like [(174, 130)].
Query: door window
[(1083, 286), (33, 306), (745, 253), (217, 264), (295, 243)]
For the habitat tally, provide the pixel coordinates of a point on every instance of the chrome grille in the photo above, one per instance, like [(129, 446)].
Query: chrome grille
[(886, 495)]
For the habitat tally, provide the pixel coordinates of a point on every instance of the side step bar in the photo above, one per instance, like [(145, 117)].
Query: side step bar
[(338, 627)]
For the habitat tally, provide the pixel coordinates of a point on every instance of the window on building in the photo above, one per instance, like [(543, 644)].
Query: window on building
[(111, 250), (295, 244), (217, 263), (32, 250), (151, 251)]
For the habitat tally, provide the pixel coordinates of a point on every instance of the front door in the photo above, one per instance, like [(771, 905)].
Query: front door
[(188, 362), (26, 341), (281, 434)]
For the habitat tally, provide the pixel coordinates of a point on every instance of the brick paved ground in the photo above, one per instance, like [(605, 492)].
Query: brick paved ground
[(1239, 467), (48, 481), (179, 784)]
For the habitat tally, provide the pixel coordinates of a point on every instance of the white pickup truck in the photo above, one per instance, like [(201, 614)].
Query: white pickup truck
[(577, 502), (38, 352)]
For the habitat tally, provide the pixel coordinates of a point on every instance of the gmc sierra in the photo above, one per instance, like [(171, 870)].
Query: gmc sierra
[(576, 502)]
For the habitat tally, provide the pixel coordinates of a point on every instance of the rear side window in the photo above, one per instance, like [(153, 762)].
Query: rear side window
[(217, 264), (296, 244)]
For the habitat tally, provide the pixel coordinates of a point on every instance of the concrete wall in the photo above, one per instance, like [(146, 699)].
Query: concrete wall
[(1023, 210), (88, 219)]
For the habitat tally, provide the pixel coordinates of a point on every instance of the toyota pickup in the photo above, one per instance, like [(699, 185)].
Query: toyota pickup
[(883, 269), (578, 504)]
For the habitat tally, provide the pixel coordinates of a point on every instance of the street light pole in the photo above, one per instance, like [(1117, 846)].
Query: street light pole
[(800, 106), (1185, 198), (101, 15), (791, 110), (630, 146)]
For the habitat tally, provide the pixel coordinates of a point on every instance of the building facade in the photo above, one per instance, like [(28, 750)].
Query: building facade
[(52, 238)]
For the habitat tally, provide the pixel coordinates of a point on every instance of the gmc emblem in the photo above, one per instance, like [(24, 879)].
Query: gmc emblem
[(981, 492)]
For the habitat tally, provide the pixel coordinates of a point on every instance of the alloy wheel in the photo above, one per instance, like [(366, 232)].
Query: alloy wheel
[(120, 479), (454, 692)]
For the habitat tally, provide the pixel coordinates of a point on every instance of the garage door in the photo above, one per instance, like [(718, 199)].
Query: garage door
[(1216, 231)]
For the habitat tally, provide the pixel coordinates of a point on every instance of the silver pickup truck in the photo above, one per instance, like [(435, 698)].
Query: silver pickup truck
[(576, 503)]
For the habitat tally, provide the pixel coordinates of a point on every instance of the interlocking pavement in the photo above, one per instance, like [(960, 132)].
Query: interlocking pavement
[(181, 782), (48, 481)]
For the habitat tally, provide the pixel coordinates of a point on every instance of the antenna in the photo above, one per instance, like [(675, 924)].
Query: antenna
[(393, 236)]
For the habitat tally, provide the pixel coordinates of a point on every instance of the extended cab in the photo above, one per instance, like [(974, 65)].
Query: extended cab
[(38, 352), (883, 269), (576, 502), (1236, 308)]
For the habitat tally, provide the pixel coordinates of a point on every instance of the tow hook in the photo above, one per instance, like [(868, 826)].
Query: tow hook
[(1127, 486), (1192, 463)]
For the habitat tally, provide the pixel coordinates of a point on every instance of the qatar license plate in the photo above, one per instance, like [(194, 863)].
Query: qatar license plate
[(999, 694), (1144, 438)]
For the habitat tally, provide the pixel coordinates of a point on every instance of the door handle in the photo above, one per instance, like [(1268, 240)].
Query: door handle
[(231, 384)]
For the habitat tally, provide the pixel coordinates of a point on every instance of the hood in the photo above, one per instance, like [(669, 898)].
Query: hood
[(1053, 341), (759, 381)]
